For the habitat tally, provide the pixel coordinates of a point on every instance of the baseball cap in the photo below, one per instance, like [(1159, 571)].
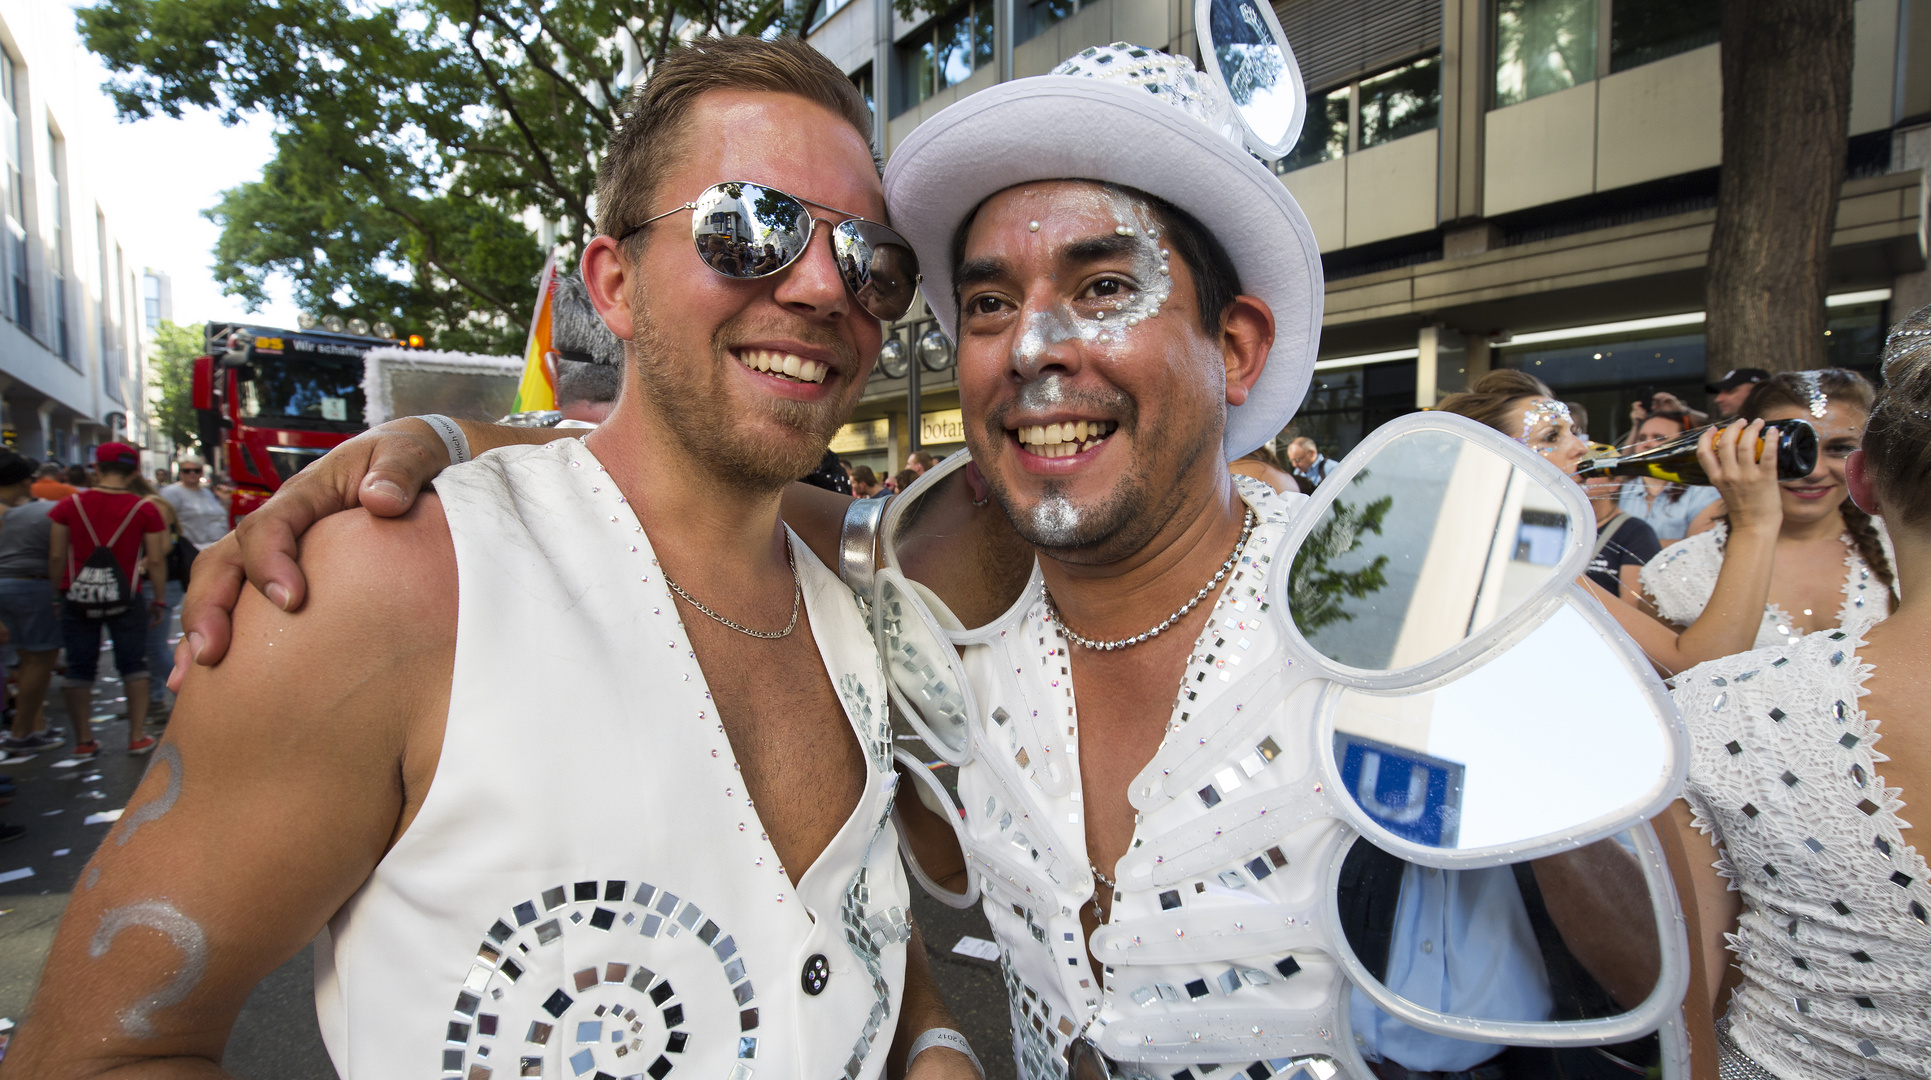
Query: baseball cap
[(1736, 377), (117, 453)]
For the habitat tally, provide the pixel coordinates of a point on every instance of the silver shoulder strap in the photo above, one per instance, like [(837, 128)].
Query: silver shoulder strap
[(858, 545)]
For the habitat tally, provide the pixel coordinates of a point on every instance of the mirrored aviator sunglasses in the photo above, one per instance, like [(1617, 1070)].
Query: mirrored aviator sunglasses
[(748, 231)]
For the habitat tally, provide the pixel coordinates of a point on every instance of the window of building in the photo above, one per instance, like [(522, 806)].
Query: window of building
[(1643, 31), (1379, 108), (862, 78), (1041, 15), (15, 241), (1401, 102), (821, 10), (1542, 46), (57, 258), (947, 51), (1324, 136), (151, 284)]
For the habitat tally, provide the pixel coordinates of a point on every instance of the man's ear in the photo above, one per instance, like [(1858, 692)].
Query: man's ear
[(1858, 479), (606, 277), (1246, 336)]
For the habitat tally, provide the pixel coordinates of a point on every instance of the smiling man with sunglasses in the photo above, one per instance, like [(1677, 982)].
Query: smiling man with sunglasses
[(578, 768)]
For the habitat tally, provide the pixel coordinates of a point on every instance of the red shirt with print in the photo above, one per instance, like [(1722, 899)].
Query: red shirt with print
[(105, 510)]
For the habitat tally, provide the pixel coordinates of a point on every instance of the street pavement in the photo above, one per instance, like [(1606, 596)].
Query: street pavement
[(276, 1038)]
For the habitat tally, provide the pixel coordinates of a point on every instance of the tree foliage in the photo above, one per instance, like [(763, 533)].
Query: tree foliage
[(418, 142), (1315, 589), (171, 374)]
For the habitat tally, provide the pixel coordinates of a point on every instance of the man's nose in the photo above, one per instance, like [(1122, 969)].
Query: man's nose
[(812, 284)]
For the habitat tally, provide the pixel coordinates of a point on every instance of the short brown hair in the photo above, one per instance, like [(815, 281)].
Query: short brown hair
[(1488, 400), (645, 144)]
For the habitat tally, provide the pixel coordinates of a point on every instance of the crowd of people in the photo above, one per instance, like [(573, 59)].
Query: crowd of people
[(566, 740), (88, 552)]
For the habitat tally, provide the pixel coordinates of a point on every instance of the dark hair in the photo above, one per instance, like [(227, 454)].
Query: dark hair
[(578, 381), (649, 140), (1897, 440), (905, 479), (1215, 281), (863, 474), (1488, 399), (575, 326), (48, 469), (1792, 389), (77, 476), (14, 469)]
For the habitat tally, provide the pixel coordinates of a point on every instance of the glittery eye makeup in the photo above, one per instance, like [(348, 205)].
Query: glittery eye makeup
[(1543, 411)]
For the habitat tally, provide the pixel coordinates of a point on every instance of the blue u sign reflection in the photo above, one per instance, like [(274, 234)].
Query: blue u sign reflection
[(1410, 794)]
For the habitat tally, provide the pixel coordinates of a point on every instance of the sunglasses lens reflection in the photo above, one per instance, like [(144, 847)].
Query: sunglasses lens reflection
[(878, 266), (748, 231)]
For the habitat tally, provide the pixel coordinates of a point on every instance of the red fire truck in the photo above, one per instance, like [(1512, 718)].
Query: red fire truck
[(275, 400)]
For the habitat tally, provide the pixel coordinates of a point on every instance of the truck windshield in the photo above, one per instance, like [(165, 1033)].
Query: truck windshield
[(311, 393)]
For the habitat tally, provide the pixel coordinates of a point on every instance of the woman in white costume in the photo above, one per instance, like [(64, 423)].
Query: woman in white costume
[(1831, 568), (1825, 905)]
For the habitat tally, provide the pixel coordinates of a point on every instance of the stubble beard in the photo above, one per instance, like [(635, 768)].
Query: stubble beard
[(1122, 521), (723, 443)]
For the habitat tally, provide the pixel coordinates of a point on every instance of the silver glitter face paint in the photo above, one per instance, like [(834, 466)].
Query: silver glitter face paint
[(1539, 413), (170, 756), (1151, 286), (1055, 522), (183, 932), (1814, 389)]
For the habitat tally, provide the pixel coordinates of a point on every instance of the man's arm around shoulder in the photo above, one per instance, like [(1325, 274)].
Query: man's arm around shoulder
[(286, 774)]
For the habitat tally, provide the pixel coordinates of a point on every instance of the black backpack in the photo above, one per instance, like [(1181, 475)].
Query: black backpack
[(99, 590)]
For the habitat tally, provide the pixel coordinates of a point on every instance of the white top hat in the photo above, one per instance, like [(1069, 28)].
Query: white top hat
[(1142, 119)]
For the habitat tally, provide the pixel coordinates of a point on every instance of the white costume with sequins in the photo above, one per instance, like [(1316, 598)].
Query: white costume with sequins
[(587, 892), (1682, 578), (1211, 934), (1833, 939)]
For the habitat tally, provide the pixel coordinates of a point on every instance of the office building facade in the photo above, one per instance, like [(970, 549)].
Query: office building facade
[(71, 301), (1514, 183)]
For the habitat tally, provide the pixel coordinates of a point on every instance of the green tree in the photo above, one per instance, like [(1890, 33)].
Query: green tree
[(171, 374), (415, 140), (1315, 590)]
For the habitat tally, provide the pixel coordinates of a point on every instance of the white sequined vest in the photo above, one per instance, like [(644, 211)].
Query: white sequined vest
[(1201, 949), (587, 893)]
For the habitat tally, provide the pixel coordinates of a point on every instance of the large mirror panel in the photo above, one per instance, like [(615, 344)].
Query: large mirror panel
[(1565, 938), (1557, 732), (1435, 538)]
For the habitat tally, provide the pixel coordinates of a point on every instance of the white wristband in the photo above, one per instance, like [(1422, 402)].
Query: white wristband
[(453, 439), (947, 1038)]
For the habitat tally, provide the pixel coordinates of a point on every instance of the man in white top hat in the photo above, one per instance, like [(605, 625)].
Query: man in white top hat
[(1136, 301), (579, 768)]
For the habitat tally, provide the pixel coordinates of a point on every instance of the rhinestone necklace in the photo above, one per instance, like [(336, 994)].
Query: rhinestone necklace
[(1104, 880), (1246, 528), (797, 594)]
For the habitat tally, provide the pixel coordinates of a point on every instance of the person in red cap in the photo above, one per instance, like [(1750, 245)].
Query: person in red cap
[(102, 538)]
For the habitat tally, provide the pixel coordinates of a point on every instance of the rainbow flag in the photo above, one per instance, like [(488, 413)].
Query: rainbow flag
[(537, 390)]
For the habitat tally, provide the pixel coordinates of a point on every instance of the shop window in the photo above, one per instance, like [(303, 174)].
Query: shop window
[(1343, 404), (947, 51), (1324, 136), (1542, 46), (1644, 31)]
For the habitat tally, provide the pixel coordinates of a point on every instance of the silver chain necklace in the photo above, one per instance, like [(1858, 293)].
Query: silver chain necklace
[(797, 595), (1246, 529)]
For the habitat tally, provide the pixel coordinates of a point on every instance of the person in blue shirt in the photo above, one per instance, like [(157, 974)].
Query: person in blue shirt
[(1667, 507)]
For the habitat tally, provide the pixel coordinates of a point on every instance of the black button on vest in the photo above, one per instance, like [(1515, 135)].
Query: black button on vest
[(816, 974)]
